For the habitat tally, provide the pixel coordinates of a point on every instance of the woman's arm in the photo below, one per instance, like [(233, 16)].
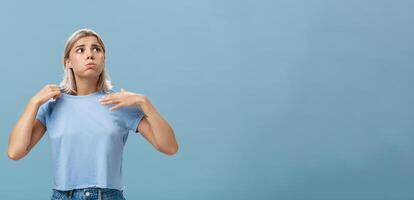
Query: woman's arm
[(28, 130), (21, 135), (153, 126)]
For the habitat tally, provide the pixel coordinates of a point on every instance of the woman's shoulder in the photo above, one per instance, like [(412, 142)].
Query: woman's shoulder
[(48, 105)]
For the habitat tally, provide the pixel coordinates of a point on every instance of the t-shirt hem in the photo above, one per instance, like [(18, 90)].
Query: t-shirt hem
[(137, 121), (87, 186), (41, 120)]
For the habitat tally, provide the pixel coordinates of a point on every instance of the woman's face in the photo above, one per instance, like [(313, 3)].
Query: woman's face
[(86, 58)]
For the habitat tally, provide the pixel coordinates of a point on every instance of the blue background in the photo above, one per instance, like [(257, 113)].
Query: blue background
[(268, 99)]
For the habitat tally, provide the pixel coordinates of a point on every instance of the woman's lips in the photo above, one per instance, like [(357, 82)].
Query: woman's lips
[(90, 65)]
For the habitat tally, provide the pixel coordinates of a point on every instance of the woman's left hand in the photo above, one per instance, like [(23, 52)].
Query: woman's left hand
[(123, 98)]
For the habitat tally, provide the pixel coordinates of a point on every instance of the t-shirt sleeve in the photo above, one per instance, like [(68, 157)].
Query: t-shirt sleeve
[(43, 112), (132, 116)]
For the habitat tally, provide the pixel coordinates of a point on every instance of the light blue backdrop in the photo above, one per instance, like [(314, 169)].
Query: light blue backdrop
[(268, 99)]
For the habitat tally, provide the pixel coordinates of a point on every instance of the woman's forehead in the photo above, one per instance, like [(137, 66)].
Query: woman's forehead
[(88, 40)]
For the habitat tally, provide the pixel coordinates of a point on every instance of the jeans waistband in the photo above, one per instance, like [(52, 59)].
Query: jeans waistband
[(92, 192)]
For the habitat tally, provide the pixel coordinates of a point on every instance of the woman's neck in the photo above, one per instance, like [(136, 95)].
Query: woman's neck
[(86, 86)]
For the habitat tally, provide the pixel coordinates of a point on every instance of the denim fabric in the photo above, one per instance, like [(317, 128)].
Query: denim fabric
[(88, 194)]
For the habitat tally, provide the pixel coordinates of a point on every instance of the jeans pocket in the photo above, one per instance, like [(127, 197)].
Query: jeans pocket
[(57, 195), (113, 195)]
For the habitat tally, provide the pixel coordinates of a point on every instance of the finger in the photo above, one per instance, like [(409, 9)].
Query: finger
[(56, 89), (104, 99), (53, 90), (117, 106), (111, 101), (106, 102), (57, 92), (106, 96), (54, 86), (116, 95), (56, 95), (112, 97)]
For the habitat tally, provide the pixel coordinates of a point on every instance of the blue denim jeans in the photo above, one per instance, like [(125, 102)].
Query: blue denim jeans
[(88, 194)]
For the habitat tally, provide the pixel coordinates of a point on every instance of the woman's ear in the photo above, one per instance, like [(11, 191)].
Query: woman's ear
[(67, 64)]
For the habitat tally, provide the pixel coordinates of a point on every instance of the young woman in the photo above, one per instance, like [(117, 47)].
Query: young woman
[(88, 124)]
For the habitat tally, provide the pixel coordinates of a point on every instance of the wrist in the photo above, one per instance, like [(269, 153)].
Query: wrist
[(145, 104), (34, 102), (141, 100)]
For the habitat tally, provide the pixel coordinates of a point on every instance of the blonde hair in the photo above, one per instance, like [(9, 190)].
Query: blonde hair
[(68, 83)]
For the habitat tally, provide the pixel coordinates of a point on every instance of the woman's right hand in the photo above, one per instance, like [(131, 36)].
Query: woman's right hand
[(47, 92)]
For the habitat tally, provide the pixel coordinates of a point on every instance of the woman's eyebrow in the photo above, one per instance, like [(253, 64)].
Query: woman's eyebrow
[(93, 45), (82, 45), (96, 45)]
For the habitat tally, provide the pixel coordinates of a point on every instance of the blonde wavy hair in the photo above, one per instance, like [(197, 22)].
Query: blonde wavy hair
[(68, 83)]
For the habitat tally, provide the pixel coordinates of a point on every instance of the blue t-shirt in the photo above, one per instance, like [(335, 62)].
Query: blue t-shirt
[(87, 140)]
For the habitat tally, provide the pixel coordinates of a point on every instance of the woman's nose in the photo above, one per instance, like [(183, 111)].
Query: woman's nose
[(89, 54)]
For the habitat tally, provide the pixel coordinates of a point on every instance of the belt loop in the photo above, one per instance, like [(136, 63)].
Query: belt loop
[(100, 197), (70, 193)]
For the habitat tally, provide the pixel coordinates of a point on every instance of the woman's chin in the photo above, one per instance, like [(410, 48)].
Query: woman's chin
[(90, 73)]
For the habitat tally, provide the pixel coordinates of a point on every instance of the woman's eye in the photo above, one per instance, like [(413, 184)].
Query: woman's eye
[(97, 49), (80, 50)]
